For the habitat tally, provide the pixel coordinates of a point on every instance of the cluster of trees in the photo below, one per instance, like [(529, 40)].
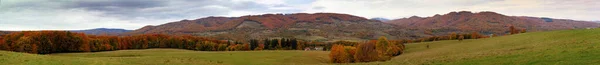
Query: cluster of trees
[(278, 44), (374, 50), (451, 36), (514, 30), (44, 42)]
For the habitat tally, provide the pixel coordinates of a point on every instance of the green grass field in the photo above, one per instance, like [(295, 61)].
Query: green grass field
[(566, 47)]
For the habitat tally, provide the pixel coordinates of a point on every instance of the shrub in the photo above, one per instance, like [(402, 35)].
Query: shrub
[(398, 48), (513, 30), (261, 46), (366, 52), (222, 47), (342, 54), (351, 51), (3, 46), (300, 46), (452, 36), (382, 45), (461, 37), (385, 49), (475, 35), (393, 51)]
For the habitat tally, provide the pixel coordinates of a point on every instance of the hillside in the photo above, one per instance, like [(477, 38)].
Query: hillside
[(564, 47), (102, 31), (334, 26), (487, 23), (317, 26)]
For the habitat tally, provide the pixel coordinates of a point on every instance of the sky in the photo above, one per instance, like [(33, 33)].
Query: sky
[(22, 15)]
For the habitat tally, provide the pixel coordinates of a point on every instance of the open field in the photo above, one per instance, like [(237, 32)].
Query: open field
[(171, 56), (566, 47)]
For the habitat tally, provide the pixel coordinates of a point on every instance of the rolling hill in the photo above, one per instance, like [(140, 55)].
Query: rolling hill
[(334, 26), (103, 31), (487, 23), (316, 27)]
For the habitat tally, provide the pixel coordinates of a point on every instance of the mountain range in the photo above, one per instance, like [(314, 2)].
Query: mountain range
[(96, 31), (487, 23), (336, 26), (103, 31), (316, 27)]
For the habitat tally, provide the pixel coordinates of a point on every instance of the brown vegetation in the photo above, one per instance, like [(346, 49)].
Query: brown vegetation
[(366, 52), (342, 54), (43, 42), (375, 50), (223, 23)]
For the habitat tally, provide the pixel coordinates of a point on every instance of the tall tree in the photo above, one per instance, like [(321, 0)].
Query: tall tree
[(475, 35), (513, 30)]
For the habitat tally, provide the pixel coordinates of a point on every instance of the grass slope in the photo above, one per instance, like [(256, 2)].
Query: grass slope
[(567, 47)]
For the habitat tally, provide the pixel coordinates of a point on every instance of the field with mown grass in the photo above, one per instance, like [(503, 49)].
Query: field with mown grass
[(566, 47)]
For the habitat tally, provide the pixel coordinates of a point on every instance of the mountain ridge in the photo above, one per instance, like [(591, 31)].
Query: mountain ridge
[(335, 26), (299, 25), (102, 31), (487, 22)]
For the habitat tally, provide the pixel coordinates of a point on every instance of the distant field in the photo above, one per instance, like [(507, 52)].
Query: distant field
[(567, 47)]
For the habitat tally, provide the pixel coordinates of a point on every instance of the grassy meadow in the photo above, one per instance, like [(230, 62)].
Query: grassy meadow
[(565, 47)]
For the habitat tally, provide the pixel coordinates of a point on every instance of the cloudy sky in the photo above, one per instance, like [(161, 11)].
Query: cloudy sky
[(134, 14)]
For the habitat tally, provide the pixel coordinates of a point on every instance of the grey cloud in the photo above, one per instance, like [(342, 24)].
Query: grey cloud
[(129, 14), (111, 5), (171, 9), (318, 8)]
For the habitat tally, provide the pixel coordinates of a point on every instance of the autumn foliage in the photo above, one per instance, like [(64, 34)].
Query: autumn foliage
[(270, 21), (342, 54), (514, 30), (44, 42), (375, 50), (366, 52)]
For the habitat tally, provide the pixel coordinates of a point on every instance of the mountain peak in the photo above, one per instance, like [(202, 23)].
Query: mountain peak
[(460, 13), (465, 12), (489, 13), (414, 17)]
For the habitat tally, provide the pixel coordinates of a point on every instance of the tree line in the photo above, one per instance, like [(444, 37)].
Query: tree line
[(44, 42)]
